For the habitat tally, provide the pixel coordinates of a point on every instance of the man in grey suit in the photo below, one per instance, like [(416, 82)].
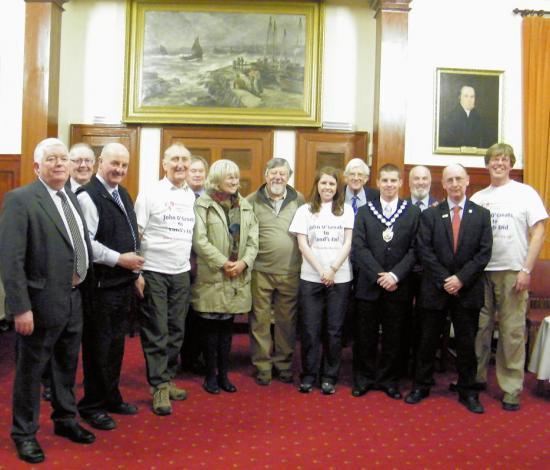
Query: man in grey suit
[(44, 259)]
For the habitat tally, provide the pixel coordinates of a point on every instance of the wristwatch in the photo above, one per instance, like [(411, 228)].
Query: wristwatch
[(525, 270)]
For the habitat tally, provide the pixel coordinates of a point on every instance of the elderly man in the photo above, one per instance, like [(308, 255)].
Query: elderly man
[(44, 259), (357, 175), (383, 257), (454, 244), (420, 183), (111, 220), (81, 165), (191, 358), (165, 220), (518, 216), (275, 276)]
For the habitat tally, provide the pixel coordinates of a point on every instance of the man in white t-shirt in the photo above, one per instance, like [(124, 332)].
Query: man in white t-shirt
[(165, 220), (518, 216)]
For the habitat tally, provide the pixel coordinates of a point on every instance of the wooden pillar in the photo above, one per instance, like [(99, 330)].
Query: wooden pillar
[(40, 78), (390, 105)]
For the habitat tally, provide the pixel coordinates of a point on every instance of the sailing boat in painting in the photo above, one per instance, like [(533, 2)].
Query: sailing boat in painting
[(196, 51)]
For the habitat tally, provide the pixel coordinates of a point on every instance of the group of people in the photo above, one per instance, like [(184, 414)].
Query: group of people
[(75, 252)]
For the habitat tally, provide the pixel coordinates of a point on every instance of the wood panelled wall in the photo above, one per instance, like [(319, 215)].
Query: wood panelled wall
[(10, 173), (479, 179)]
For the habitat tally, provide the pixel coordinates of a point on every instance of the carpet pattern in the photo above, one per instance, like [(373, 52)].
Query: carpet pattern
[(277, 427)]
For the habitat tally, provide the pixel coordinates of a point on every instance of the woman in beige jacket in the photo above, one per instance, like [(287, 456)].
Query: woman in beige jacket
[(225, 240)]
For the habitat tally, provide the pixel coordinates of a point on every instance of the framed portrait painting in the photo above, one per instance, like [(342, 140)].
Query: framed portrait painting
[(217, 62), (468, 110)]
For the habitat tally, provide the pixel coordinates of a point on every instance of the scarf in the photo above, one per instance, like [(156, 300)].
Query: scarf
[(231, 208)]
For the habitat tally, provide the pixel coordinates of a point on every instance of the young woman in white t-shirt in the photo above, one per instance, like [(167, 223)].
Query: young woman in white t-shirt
[(324, 229)]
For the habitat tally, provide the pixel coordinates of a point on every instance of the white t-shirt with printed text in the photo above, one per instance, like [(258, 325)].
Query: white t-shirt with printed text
[(325, 234), (514, 207), (166, 219)]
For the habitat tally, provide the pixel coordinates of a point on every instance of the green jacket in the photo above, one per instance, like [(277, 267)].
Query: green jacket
[(212, 291)]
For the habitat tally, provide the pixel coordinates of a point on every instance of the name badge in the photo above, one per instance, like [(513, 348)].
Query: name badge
[(444, 216)]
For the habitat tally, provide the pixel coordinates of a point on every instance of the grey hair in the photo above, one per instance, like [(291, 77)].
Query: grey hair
[(81, 148), (277, 163), (357, 163), (218, 172), (40, 150), (177, 149)]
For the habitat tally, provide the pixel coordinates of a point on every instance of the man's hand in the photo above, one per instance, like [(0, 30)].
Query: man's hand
[(139, 285), (131, 261), (386, 281), (522, 281), (452, 285), (24, 323), (234, 268)]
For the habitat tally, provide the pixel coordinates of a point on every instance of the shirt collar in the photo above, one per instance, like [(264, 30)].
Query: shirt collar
[(460, 204), (392, 204), (105, 184), (168, 184), (425, 201), (52, 191), (360, 195), (266, 192)]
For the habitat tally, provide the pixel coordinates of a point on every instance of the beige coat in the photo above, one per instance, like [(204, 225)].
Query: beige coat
[(212, 291)]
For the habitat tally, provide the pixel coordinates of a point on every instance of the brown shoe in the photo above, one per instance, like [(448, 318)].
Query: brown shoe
[(161, 400)]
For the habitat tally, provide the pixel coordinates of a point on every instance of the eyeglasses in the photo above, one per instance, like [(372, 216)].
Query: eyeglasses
[(80, 161)]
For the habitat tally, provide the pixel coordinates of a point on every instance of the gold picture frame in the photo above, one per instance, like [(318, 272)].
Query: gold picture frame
[(468, 110), (246, 62)]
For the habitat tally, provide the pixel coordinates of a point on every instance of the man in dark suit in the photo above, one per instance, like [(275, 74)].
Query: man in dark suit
[(382, 256), (357, 174), (44, 259), (454, 244), (112, 225)]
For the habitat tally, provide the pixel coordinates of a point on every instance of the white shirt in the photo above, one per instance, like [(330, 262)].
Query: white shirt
[(515, 208), (325, 234), (57, 201), (392, 204), (425, 202), (461, 204), (165, 220), (361, 197), (101, 253)]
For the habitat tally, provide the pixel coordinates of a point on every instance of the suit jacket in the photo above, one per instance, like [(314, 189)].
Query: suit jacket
[(371, 193), (370, 254), (37, 256), (435, 251)]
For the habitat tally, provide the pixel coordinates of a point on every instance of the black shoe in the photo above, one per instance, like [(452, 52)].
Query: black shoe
[(74, 432), (327, 388), (211, 386), (4, 325), (30, 451), (305, 388), (392, 392), (285, 376), (416, 395), (510, 406), (478, 386), (359, 391), (472, 404), (123, 409), (226, 385), (47, 394), (101, 420)]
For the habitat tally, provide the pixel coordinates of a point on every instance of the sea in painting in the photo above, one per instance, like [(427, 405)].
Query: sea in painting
[(219, 59)]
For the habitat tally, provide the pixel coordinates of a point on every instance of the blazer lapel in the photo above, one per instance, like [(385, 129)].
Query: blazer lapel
[(446, 220), (467, 214), (45, 201)]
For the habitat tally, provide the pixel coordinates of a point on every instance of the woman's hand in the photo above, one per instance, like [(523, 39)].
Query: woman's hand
[(234, 268), (327, 277)]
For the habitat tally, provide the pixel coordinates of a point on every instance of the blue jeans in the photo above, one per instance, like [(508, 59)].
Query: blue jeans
[(322, 314)]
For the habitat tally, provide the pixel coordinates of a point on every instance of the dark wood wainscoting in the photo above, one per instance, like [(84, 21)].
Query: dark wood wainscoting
[(10, 173), (479, 179)]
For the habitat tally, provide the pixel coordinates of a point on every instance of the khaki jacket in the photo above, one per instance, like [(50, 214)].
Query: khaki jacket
[(212, 291)]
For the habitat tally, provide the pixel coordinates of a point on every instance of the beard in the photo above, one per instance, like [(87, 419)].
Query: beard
[(420, 193), (277, 189)]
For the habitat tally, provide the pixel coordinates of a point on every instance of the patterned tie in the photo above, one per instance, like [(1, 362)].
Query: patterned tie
[(456, 226), (387, 210), (354, 200), (419, 204), (78, 244), (117, 199)]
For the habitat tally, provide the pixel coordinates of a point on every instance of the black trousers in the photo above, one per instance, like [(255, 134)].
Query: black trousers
[(56, 347), (369, 367), (103, 336), (321, 317), (191, 347), (217, 339), (465, 323)]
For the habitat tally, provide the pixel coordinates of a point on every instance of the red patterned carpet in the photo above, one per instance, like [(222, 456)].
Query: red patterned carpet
[(277, 427)]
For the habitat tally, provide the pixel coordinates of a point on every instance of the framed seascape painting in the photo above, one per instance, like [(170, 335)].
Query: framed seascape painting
[(468, 110), (250, 62)]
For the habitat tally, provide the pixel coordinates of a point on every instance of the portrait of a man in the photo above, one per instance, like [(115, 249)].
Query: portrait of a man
[(468, 111)]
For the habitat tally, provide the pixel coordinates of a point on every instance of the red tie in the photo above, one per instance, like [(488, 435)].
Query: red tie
[(456, 226)]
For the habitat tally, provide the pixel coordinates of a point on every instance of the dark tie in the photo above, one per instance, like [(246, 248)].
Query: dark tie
[(456, 226), (117, 199), (419, 204), (78, 244), (197, 195), (354, 200)]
